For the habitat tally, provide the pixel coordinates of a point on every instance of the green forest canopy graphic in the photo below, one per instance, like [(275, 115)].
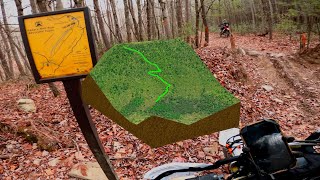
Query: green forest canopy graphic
[(126, 76)]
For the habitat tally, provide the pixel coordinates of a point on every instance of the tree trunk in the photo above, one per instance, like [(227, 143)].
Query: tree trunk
[(42, 4), (95, 31), (155, 27), (1, 76), (276, 12), (187, 10), (179, 16), (23, 57), (253, 15), (20, 48), (172, 19), (14, 52), (99, 34), (43, 8), (219, 12), (19, 7), (33, 5), (140, 20), (110, 22), (127, 20), (270, 23), (196, 39), (101, 24), (135, 24), (165, 18), (78, 3), (149, 19), (54, 89), (7, 50), (4, 64), (59, 5), (228, 10), (116, 22), (205, 23), (309, 29)]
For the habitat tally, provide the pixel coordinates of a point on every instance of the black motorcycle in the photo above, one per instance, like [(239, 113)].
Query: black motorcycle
[(266, 154), (224, 30)]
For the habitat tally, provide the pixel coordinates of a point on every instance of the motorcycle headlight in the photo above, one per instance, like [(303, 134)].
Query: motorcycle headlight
[(233, 167)]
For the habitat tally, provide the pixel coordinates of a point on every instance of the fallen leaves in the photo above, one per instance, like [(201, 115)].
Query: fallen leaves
[(49, 172), (131, 157), (213, 149), (83, 169)]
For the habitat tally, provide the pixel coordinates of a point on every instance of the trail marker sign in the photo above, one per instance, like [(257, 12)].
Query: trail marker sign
[(60, 47), (59, 44)]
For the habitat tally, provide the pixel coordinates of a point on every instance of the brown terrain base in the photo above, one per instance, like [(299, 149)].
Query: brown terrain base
[(156, 131)]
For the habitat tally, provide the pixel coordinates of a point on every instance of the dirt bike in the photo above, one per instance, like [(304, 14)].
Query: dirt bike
[(257, 151), (224, 30)]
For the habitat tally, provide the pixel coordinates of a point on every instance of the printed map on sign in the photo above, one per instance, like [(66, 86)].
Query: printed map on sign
[(59, 44)]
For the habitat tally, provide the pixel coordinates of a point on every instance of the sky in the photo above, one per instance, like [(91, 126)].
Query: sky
[(11, 9)]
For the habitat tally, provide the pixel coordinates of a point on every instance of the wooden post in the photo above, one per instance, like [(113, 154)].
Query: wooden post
[(82, 114)]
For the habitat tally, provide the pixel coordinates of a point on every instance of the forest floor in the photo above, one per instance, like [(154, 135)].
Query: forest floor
[(269, 78)]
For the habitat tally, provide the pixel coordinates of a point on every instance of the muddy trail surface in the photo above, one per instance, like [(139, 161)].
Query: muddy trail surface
[(267, 76)]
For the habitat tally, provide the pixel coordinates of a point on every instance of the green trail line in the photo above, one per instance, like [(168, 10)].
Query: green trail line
[(152, 72)]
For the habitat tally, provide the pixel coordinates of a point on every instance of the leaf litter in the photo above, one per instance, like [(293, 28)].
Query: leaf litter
[(242, 75)]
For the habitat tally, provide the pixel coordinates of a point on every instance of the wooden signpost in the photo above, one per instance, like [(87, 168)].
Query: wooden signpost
[(60, 47)]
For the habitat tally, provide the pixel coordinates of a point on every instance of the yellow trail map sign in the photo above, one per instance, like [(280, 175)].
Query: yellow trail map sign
[(59, 44)]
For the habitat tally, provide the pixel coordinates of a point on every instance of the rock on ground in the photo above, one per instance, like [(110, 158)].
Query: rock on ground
[(27, 105), (87, 170), (267, 88)]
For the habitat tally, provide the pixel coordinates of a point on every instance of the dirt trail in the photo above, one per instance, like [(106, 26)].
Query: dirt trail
[(296, 95)]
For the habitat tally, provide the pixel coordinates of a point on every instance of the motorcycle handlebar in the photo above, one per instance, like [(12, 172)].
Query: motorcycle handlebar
[(216, 165)]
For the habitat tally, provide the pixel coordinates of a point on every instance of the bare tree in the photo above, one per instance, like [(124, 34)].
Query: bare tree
[(179, 16), (253, 14), (5, 66), (165, 18), (78, 3), (172, 9), (204, 20), (7, 50), (219, 11), (140, 20), (127, 20), (19, 7), (267, 10), (110, 22), (149, 19), (155, 27), (187, 11), (134, 21), (116, 22), (197, 9), (59, 5), (23, 57), (18, 47), (14, 52), (270, 19), (101, 24), (43, 6), (33, 6)]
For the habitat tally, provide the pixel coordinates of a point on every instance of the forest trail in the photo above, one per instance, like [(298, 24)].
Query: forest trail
[(277, 64), (286, 89)]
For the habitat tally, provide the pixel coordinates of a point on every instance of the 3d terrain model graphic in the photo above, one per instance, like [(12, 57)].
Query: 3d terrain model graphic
[(160, 91)]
